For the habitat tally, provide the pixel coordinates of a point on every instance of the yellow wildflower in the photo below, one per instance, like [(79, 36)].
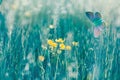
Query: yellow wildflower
[(68, 47), (41, 58), (75, 43), (62, 46), (51, 43), (14, 7), (54, 44), (59, 40), (27, 14), (51, 26)]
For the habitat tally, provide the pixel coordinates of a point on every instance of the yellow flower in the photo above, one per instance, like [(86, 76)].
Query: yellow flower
[(59, 40), (41, 58), (14, 7), (51, 26), (51, 43), (62, 46), (68, 47), (75, 43), (27, 14), (54, 44)]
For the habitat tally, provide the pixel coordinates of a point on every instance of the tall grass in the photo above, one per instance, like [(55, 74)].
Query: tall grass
[(53, 40)]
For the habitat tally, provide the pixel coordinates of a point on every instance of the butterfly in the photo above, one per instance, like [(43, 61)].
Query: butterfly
[(96, 18)]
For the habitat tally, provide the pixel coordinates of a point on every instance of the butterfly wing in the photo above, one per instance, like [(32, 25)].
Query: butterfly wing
[(98, 15), (90, 15), (98, 19)]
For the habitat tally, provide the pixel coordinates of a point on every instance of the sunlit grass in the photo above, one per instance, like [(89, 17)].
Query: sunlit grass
[(53, 40)]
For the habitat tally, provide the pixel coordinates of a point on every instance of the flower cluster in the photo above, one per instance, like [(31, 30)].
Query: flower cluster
[(59, 44)]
